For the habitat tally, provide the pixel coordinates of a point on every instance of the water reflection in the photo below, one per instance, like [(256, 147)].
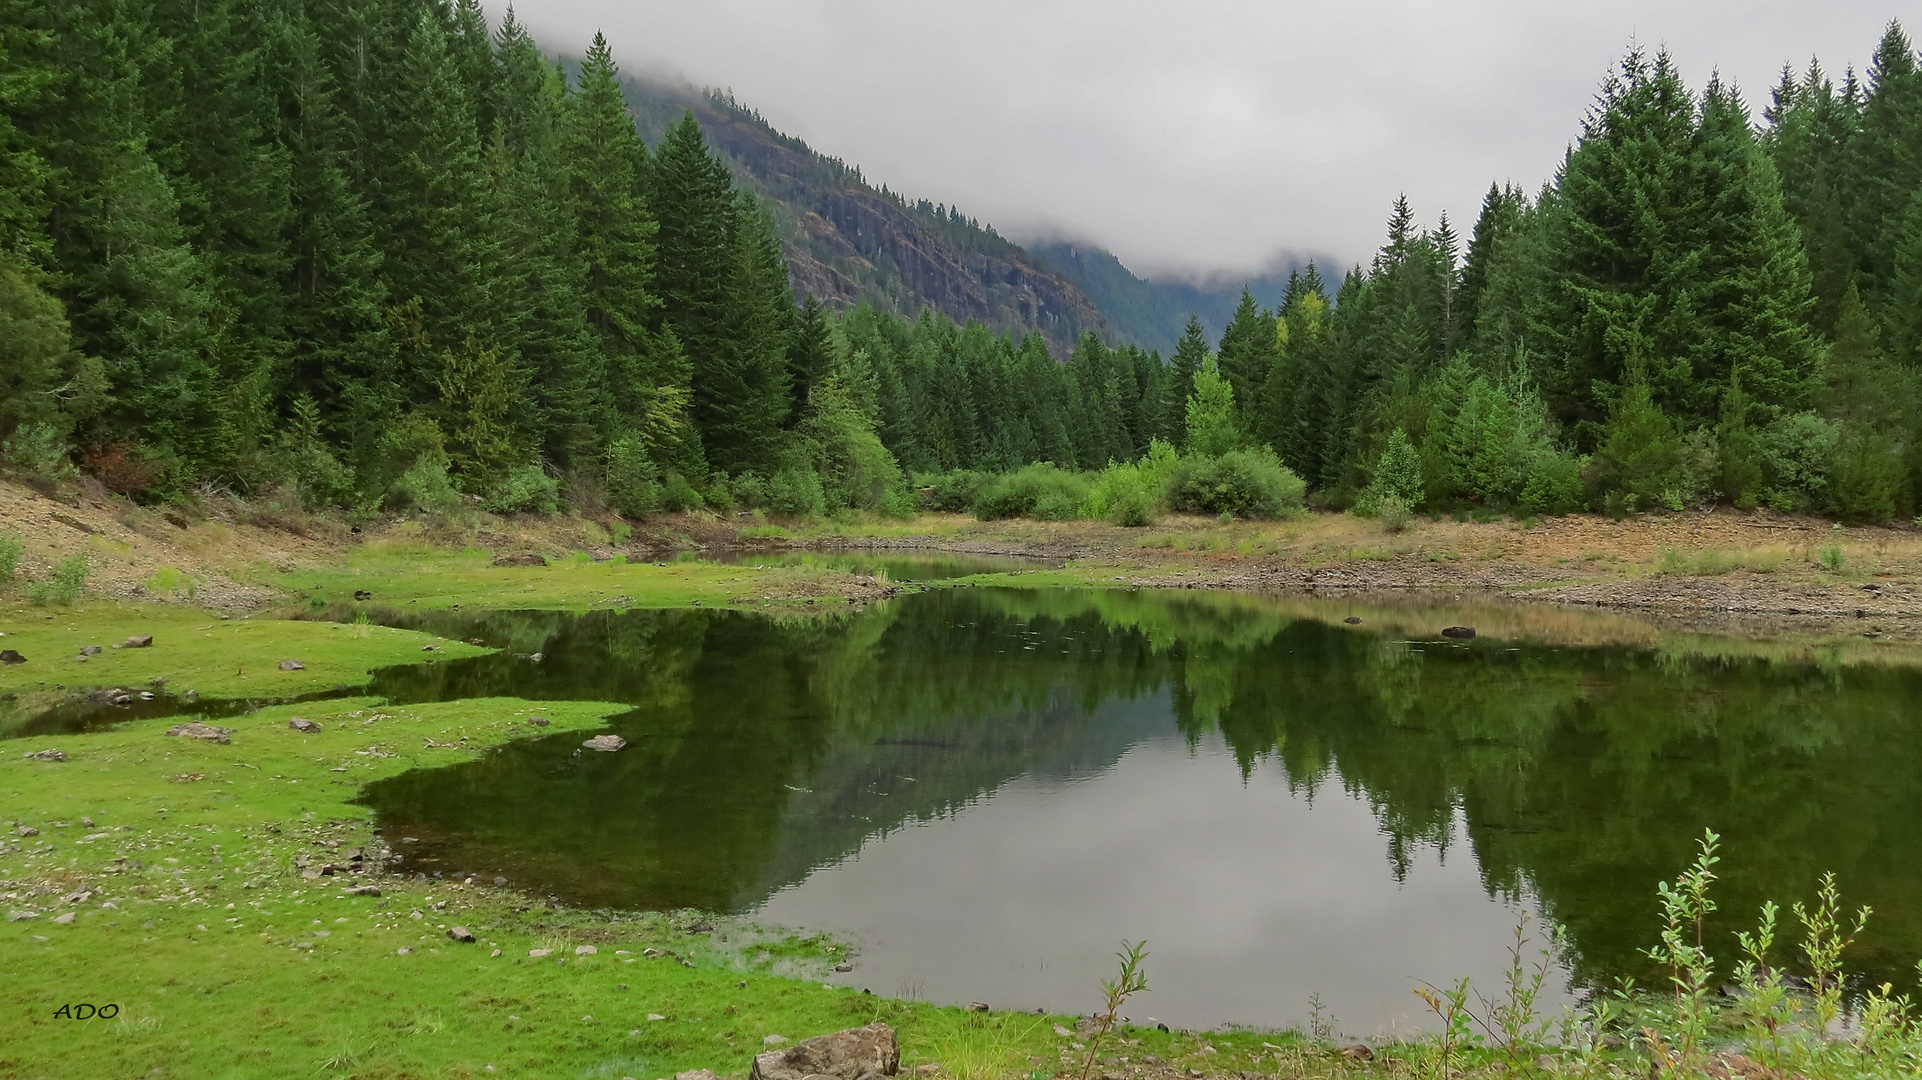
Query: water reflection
[(994, 786)]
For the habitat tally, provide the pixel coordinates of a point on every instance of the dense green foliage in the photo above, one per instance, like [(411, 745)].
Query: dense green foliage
[(383, 257)]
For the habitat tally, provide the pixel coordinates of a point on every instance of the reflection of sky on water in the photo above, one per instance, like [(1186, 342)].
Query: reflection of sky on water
[(1251, 897)]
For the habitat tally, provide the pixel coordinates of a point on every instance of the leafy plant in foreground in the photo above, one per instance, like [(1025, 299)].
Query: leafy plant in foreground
[(1128, 981)]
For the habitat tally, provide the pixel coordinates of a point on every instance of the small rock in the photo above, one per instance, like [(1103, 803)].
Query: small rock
[(847, 1055), (585, 950), (27, 830), (78, 896), (65, 918), (844, 968), (46, 755), (138, 641), (8, 656), (774, 1040), (461, 934), (292, 665), (90, 650), (363, 890), (527, 559), (655, 1016), (499, 881), (977, 1006), (476, 641), (537, 721), (1352, 621), (403, 951), (197, 730), (430, 648), (87, 821), (363, 594), (21, 916), (538, 953), (1462, 633), (111, 696), (607, 743), (1358, 1052), (302, 724), (537, 657), (696, 1074)]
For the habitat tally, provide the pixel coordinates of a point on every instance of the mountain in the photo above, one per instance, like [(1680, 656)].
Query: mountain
[(846, 241), (1153, 314)]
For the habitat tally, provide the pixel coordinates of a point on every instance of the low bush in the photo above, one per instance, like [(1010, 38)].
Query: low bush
[(1044, 492), (425, 487), (954, 492), (1244, 483), (11, 548), (526, 489), (679, 496), (1128, 495), (796, 493), (64, 586), (633, 483)]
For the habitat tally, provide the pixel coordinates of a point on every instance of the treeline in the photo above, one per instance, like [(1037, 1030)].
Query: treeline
[(378, 255)]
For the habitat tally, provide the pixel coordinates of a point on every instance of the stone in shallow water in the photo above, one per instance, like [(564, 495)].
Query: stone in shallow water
[(608, 743)]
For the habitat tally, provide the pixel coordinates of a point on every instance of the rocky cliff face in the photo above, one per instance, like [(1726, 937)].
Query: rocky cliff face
[(847, 241)]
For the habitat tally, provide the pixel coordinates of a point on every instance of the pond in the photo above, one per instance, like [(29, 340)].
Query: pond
[(990, 789)]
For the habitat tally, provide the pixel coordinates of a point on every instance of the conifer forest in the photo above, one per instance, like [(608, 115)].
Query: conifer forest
[(379, 255)]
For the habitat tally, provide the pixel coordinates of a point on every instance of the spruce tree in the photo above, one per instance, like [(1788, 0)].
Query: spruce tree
[(1885, 160), (1190, 353), (691, 195)]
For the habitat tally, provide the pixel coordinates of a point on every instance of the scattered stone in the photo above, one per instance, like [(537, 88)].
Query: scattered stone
[(1352, 621), (21, 916), (90, 650), (696, 1074), (1462, 633), (363, 594), (65, 918), (585, 950), (8, 656), (537, 657), (843, 968), (292, 665), (138, 641), (198, 730), (538, 953), (607, 743), (26, 830), (78, 896), (1359, 1052), (461, 934), (499, 881), (87, 821), (977, 1006), (846, 1055), (46, 755), (655, 1016), (363, 890), (111, 696), (1063, 1032), (537, 721), (525, 559), (403, 951), (304, 725), (430, 648), (774, 1040)]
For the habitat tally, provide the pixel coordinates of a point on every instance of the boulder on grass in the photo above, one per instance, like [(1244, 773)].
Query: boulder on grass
[(303, 725), (847, 1055), (138, 641), (292, 665), (197, 730)]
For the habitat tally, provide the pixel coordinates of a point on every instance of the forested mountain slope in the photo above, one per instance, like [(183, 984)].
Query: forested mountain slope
[(845, 241), (1151, 313)]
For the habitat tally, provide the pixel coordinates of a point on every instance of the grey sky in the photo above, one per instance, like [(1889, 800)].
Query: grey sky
[(1205, 136)]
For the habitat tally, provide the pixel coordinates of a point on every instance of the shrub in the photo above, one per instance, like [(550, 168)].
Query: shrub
[(69, 577), (526, 489), (955, 492), (679, 496), (633, 483), (426, 487), (37, 452), (1866, 477), (1127, 495), (1394, 514), (750, 491), (1041, 491), (11, 548), (1244, 483), (1397, 475), (796, 492), (1554, 484)]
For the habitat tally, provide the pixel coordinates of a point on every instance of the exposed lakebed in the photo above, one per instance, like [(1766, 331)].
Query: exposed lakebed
[(990, 788)]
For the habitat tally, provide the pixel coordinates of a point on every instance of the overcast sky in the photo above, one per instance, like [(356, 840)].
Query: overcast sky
[(1199, 137)]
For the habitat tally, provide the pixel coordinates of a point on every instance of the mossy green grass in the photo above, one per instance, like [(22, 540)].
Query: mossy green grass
[(194, 649), (408, 578)]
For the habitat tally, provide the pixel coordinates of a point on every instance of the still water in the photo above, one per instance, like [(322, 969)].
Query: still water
[(991, 788)]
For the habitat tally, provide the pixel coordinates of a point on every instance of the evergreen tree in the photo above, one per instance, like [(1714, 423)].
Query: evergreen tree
[(1885, 159), (1211, 413), (1190, 353)]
